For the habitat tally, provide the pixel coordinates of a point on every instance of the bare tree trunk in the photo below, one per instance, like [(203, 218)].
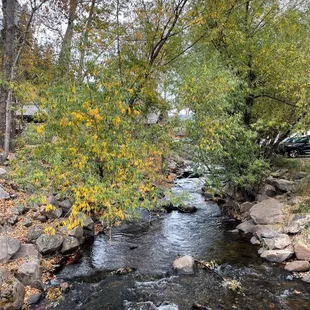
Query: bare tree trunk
[(10, 31), (10, 73), (64, 56), (85, 39)]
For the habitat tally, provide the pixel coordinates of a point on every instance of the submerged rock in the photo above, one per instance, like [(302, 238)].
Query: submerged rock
[(187, 209), (184, 264)]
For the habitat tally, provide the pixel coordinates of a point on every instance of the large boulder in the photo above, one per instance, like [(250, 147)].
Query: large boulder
[(49, 243), (70, 244), (12, 292), (268, 211), (247, 226), (297, 265), (3, 194), (284, 185), (29, 273), (184, 264), (8, 247), (279, 242), (27, 251), (278, 256), (302, 249)]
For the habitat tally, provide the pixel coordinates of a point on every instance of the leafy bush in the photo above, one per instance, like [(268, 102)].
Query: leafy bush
[(101, 153)]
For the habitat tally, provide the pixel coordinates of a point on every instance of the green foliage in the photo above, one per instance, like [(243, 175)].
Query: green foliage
[(101, 153), (304, 207)]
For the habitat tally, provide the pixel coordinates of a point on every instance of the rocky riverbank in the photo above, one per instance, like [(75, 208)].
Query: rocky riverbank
[(278, 219), (29, 256)]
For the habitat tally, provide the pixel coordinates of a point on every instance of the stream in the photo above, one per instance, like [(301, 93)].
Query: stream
[(150, 246)]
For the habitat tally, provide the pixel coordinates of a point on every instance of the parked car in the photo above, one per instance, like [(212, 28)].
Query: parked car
[(295, 146)]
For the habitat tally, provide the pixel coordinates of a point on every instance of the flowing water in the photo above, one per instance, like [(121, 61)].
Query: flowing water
[(150, 247)]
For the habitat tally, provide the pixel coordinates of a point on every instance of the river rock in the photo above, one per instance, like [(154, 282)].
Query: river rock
[(279, 242), (261, 197), (143, 305), (3, 194), (297, 265), (88, 223), (8, 247), (297, 223), (184, 264), (305, 276), (52, 200), (13, 220), (254, 241), (247, 226), (246, 206), (12, 293), (3, 173), (51, 214), (268, 190), (302, 249), (265, 231), (65, 205), (27, 250), (42, 218), (19, 210), (27, 222), (187, 209), (29, 273), (49, 243), (268, 211), (284, 185), (34, 299), (35, 232), (278, 256), (70, 244)]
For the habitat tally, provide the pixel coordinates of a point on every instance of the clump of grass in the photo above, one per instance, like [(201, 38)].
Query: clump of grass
[(304, 207), (303, 187), (293, 165), (233, 285)]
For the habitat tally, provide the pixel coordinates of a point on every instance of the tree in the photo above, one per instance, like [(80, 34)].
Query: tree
[(11, 55), (246, 81)]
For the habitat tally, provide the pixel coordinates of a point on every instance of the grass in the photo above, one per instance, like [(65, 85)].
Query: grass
[(293, 165)]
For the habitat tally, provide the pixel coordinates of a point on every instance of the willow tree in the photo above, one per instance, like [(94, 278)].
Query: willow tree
[(247, 83)]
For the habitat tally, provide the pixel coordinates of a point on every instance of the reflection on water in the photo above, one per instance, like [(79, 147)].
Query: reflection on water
[(150, 252)]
